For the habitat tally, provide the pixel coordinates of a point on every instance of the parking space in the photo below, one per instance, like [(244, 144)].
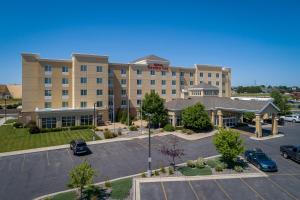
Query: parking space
[(31, 175)]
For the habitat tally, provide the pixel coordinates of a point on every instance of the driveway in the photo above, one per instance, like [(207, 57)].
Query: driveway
[(32, 175)]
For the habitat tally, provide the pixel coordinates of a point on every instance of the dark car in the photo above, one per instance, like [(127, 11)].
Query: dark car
[(290, 151), (259, 159), (79, 147)]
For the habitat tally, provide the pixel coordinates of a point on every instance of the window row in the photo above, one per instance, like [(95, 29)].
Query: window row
[(83, 68)]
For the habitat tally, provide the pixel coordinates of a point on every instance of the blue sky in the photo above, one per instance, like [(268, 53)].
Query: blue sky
[(259, 40)]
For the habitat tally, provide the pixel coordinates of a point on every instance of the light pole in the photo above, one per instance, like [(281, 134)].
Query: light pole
[(128, 110), (149, 173), (141, 115), (94, 121), (114, 112), (5, 108)]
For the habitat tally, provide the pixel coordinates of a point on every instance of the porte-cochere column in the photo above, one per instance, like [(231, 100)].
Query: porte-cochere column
[(258, 130)]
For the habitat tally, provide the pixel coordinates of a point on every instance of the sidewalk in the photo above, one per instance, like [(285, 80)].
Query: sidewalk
[(2, 120), (181, 135)]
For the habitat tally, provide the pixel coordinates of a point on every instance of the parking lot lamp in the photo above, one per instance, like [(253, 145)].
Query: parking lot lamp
[(94, 120), (149, 172)]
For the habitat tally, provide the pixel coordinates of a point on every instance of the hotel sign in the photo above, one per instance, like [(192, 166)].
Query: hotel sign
[(158, 67)]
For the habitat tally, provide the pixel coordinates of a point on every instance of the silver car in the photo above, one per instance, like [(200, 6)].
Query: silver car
[(292, 118)]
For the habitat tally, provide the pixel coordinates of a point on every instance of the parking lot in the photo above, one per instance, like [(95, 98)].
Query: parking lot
[(35, 174)]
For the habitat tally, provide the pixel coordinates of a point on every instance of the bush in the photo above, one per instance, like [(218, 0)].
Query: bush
[(81, 127), (133, 128), (169, 128), (190, 163), (108, 134), (178, 128), (238, 169), (34, 129), (156, 173), (212, 163), (18, 125), (162, 170), (143, 175), (200, 163), (10, 121), (219, 167), (107, 184), (119, 131), (171, 171), (30, 124)]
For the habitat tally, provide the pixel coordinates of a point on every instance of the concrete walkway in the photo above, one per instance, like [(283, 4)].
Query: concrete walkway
[(196, 136), (2, 120)]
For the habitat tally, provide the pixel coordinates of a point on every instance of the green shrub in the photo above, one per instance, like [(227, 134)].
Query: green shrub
[(119, 131), (137, 126), (163, 170), (190, 163), (18, 125), (169, 128), (133, 128), (219, 167), (238, 169), (80, 127), (171, 171), (34, 129), (178, 128), (143, 175), (212, 163), (200, 163), (10, 121), (108, 134), (107, 184), (156, 173)]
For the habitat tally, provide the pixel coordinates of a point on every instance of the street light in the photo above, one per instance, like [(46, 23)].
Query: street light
[(94, 120), (149, 173)]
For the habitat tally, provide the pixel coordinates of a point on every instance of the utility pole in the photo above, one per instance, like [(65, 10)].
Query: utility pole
[(5, 108), (141, 115), (149, 173), (94, 120), (128, 110), (114, 112)]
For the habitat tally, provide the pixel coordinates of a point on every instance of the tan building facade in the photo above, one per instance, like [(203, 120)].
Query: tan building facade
[(64, 92)]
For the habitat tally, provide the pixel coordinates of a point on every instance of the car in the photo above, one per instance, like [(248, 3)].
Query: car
[(291, 118), (259, 159), (79, 146), (290, 151)]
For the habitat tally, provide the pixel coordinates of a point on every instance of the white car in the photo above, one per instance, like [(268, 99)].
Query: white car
[(292, 118)]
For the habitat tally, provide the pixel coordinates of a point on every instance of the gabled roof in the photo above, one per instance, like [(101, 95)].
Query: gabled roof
[(150, 57), (223, 103), (202, 85)]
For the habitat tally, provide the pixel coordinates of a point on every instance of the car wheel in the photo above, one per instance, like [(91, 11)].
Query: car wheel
[(74, 153), (285, 155), (294, 121)]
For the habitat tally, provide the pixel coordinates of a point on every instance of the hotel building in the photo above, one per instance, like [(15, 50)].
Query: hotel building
[(62, 93)]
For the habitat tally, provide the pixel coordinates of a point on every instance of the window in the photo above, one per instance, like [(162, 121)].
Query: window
[(152, 72), (139, 92), (139, 82), (65, 81), (65, 92), (83, 80), (173, 82), (123, 102), (110, 92), (83, 104), (123, 71), (68, 121), (65, 104), (163, 82), (217, 75), (191, 82), (138, 102), (83, 92), (217, 83), (86, 120), (209, 75), (99, 104), (48, 80), (201, 82), (201, 74), (49, 122), (223, 83), (64, 69), (123, 81), (83, 68), (48, 93), (191, 74), (99, 68), (173, 73), (123, 92), (48, 68), (163, 73), (99, 80), (99, 92), (181, 82), (110, 82), (181, 73), (152, 82), (209, 82), (138, 71), (47, 105), (173, 92), (163, 92), (223, 75)]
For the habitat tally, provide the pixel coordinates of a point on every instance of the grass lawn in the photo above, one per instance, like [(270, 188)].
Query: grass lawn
[(12, 139), (10, 121), (251, 95), (65, 196), (121, 188), (188, 171)]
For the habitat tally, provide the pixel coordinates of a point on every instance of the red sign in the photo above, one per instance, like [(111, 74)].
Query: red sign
[(157, 67)]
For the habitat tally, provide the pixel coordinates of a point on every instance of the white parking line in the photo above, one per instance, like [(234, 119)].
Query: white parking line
[(23, 163), (223, 190), (251, 188), (282, 189), (164, 191), (70, 156), (48, 158), (193, 190)]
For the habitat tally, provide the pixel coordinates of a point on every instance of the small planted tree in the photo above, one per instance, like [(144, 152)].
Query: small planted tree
[(249, 116), (196, 118), (172, 151), (229, 144), (81, 176)]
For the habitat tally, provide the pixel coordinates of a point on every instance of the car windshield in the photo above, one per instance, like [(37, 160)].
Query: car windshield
[(262, 157), (81, 144)]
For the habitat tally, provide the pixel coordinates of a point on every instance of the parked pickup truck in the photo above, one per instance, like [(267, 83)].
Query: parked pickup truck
[(289, 151)]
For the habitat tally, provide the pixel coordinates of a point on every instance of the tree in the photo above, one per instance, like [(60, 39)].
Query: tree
[(281, 102), (249, 116), (154, 105), (172, 152), (81, 176), (196, 118), (229, 144)]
